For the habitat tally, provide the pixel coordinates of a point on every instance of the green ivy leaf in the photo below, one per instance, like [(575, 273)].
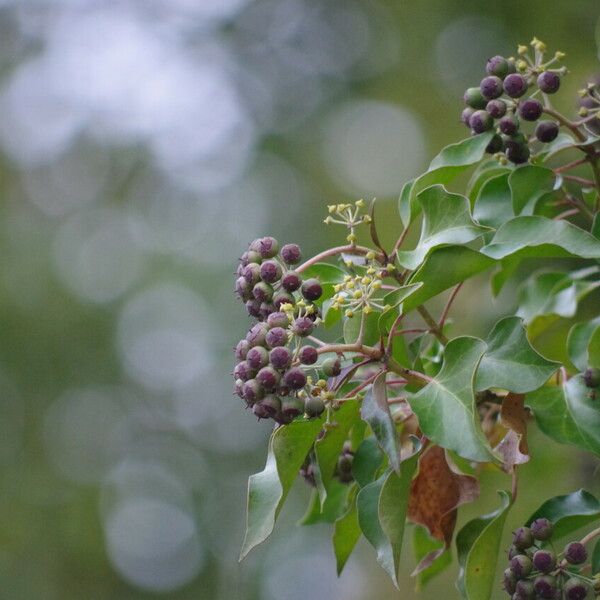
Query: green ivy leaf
[(446, 406), (568, 414), (446, 220), (493, 205), (346, 533), (267, 490), (367, 460), (450, 162), (426, 546), (444, 268), (483, 173), (394, 300), (325, 272), (528, 185), (510, 362), (371, 333), (478, 545), (329, 447), (333, 507), (569, 512), (578, 343), (376, 412), (533, 236)]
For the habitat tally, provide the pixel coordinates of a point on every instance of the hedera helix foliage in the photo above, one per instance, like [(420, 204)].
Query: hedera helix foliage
[(376, 414)]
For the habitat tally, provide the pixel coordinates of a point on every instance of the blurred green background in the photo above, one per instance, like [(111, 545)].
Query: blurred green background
[(144, 143)]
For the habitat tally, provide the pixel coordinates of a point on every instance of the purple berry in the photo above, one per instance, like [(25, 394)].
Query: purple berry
[(280, 357), (465, 116), (242, 349), (495, 145), (517, 153), (308, 355), (498, 66), (575, 553), (515, 85), (331, 367), (491, 87), (291, 254), (314, 406), (242, 288), (253, 308), (257, 334), (508, 125), (531, 109), (480, 121), (311, 289), (278, 319), (243, 371), (251, 273), (250, 256), (239, 388), (591, 377), (291, 407), (302, 326), (266, 308), (521, 566), (545, 586), (541, 529), (509, 581), (473, 98), (267, 247), (496, 108), (282, 297), (548, 82), (252, 391), (262, 291), (270, 271), (544, 561), (294, 378), (257, 357), (269, 378), (522, 538), (512, 552), (524, 590), (270, 405), (546, 131), (260, 411), (291, 281), (576, 589), (277, 336)]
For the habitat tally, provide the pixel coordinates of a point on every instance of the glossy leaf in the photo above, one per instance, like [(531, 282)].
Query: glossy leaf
[(568, 414), (329, 447), (346, 533), (569, 512), (446, 406), (478, 546), (483, 173), (532, 236), (446, 220), (450, 162), (333, 507), (510, 362), (367, 460), (394, 299), (268, 489), (493, 204), (528, 185), (579, 340), (325, 272), (371, 333)]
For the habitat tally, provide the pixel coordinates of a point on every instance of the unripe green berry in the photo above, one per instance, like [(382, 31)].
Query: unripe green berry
[(331, 367), (314, 406), (497, 65), (474, 99)]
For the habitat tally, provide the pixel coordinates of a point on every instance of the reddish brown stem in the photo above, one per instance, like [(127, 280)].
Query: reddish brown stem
[(449, 305)]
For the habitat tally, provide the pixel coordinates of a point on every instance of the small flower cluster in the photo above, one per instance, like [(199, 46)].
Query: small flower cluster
[(499, 103), (536, 572), (349, 215)]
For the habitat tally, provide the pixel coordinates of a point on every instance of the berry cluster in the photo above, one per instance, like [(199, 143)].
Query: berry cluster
[(536, 572), (500, 101), (270, 373)]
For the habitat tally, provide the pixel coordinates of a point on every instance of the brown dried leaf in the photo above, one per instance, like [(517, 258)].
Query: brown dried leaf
[(514, 416), (509, 449), (437, 491)]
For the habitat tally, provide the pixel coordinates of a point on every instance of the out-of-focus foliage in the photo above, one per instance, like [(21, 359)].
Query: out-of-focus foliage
[(143, 145)]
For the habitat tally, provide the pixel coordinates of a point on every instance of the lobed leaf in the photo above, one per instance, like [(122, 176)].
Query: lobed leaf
[(493, 202), (528, 185), (581, 337)]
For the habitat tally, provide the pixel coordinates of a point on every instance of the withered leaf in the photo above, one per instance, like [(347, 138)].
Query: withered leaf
[(514, 416)]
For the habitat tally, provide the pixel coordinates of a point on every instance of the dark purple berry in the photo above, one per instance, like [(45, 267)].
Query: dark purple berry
[(267, 247), (331, 367), (515, 85), (491, 87), (541, 529), (509, 581), (262, 291), (518, 153), (530, 109), (521, 566), (545, 586), (280, 357), (242, 349), (524, 590), (253, 308), (311, 289), (251, 273), (512, 552), (548, 82), (480, 121), (291, 281), (546, 131), (253, 391), (257, 357), (575, 553), (522, 538), (576, 589), (495, 145), (243, 289), (278, 319), (294, 378), (291, 407), (465, 116), (302, 326), (270, 271), (544, 561), (257, 334), (291, 254), (282, 297), (244, 371), (277, 336), (270, 405), (314, 406), (498, 66), (260, 411), (496, 108), (473, 98), (308, 355), (250, 256), (344, 464), (266, 308), (591, 377), (508, 125), (269, 378)]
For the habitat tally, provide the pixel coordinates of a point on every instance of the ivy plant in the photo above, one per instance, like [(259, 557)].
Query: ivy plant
[(376, 413)]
